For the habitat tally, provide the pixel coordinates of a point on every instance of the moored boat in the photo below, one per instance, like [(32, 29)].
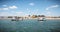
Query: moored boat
[(41, 19)]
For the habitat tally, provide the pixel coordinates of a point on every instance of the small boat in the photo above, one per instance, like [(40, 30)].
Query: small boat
[(41, 19), (15, 19)]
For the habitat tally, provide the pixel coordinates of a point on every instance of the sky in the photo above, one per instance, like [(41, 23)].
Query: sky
[(29, 7)]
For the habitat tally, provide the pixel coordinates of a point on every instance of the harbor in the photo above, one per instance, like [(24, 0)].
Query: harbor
[(29, 15)]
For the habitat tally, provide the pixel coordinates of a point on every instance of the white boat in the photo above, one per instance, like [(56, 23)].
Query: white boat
[(41, 19), (15, 19)]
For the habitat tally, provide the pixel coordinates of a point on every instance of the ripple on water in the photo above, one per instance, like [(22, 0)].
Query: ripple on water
[(29, 26)]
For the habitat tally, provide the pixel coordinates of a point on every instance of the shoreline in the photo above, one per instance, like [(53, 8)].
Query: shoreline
[(53, 18), (31, 18)]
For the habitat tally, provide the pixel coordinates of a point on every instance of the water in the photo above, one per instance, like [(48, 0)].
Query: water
[(30, 26)]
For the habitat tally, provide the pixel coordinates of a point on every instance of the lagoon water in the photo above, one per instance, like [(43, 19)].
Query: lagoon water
[(30, 26)]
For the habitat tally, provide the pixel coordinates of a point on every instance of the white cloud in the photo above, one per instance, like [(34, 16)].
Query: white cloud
[(53, 6), (4, 5), (5, 8), (12, 7), (8, 8), (32, 4)]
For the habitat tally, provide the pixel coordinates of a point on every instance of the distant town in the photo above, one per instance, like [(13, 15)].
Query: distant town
[(30, 17)]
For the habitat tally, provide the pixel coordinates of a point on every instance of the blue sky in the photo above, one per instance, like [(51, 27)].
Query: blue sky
[(29, 7)]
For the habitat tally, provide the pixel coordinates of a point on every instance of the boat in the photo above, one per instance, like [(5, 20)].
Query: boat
[(41, 19), (15, 19)]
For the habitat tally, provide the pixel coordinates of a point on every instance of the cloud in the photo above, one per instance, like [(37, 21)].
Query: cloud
[(32, 4), (4, 5), (12, 7), (5, 8), (8, 8), (53, 6), (48, 12)]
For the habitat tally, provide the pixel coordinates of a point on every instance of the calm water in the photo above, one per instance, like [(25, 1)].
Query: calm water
[(30, 26)]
